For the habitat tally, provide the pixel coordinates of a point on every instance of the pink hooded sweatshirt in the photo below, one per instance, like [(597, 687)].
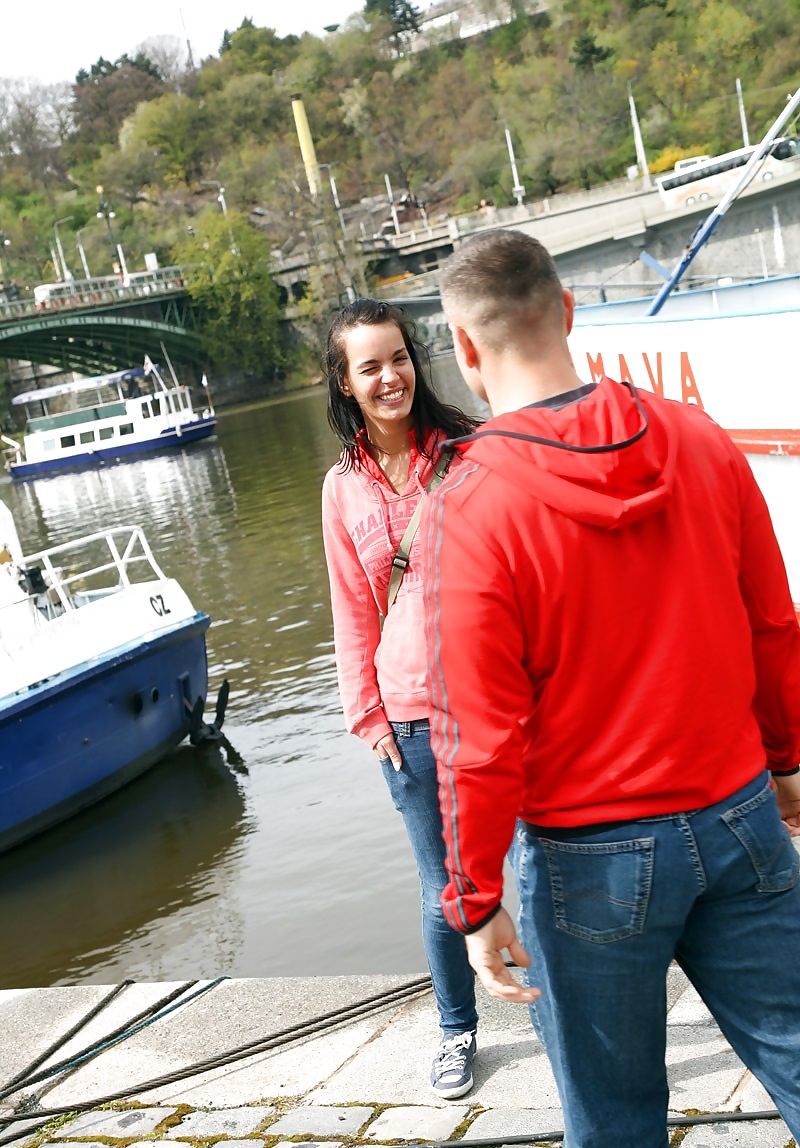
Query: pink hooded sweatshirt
[(382, 676)]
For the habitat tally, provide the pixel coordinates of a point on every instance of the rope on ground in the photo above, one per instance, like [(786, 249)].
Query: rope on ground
[(27, 1077), (263, 1044), (556, 1137), (9, 1087)]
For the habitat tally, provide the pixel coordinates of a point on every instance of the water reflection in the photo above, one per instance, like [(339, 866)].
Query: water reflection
[(106, 875), (316, 876)]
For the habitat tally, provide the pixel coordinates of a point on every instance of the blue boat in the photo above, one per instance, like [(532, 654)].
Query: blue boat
[(105, 419), (102, 672)]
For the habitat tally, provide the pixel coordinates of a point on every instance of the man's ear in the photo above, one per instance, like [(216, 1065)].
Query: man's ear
[(569, 307), (465, 344)]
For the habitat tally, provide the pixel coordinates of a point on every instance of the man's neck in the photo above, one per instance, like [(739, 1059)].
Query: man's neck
[(511, 385)]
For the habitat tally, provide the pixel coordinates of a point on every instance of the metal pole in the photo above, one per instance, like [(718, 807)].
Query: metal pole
[(641, 158), (3, 257), (86, 270), (224, 206), (335, 195), (742, 116), (64, 273), (392, 207), (518, 191)]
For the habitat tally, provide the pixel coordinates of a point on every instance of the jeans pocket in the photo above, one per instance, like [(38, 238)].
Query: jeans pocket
[(756, 824), (600, 890)]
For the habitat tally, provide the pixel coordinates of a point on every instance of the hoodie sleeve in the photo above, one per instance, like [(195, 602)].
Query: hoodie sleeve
[(356, 626), (479, 693), (776, 635)]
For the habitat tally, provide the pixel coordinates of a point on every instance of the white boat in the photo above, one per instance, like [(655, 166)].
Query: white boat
[(728, 350), (102, 672), (106, 418)]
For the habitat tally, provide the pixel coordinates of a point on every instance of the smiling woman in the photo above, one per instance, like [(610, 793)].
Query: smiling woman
[(391, 424)]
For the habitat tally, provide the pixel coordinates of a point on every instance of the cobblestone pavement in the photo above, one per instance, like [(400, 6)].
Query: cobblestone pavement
[(354, 1073)]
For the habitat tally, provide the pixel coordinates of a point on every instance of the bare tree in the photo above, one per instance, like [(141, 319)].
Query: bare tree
[(167, 54)]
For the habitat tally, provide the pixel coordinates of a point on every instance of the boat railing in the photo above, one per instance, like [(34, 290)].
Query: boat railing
[(126, 545)]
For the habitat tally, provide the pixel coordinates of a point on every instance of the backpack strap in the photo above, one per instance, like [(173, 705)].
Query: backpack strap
[(401, 558)]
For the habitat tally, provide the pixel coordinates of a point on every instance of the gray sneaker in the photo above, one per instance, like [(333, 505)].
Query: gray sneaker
[(451, 1074)]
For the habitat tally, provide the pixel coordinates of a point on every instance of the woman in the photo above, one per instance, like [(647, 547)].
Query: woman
[(389, 422)]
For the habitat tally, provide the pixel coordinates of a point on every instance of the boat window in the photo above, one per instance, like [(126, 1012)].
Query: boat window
[(87, 436), (68, 440), (157, 405), (49, 444), (126, 428), (146, 412), (106, 432)]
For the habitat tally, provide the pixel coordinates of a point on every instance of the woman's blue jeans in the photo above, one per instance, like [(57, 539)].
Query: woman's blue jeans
[(603, 914), (415, 793)]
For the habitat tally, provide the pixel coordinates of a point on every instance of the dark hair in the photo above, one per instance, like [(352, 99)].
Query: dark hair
[(344, 413)]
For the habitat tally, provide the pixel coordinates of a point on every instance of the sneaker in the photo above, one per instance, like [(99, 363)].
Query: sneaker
[(451, 1074)]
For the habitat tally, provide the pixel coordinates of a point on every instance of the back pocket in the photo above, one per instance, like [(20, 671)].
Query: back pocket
[(600, 891), (757, 825)]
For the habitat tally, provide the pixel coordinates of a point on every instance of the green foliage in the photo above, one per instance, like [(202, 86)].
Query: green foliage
[(400, 14), (432, 120), (227, 270)]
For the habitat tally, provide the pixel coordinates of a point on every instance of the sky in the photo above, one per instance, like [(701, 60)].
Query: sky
[(50, 40)]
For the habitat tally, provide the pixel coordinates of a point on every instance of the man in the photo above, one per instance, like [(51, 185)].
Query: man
[(615, 661)]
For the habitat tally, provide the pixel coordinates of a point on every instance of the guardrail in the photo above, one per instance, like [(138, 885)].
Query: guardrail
[(87, 293)]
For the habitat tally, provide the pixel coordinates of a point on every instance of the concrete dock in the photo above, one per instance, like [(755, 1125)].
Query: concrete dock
[(338, 1061)]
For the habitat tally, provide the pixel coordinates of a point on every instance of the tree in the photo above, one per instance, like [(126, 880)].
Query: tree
[(226, 263), (400, 15), (107, 95)]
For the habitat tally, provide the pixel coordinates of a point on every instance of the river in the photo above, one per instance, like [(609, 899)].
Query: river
[(289, 861)]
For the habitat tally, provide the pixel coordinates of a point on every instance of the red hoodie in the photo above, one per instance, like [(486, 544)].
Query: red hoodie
[(611, 634)]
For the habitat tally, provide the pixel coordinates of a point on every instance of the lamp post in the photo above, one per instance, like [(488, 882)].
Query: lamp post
[(221, 201), (518, 191), (64, 273), (4, 242), (104, 212), (82, 252), (335, 195)]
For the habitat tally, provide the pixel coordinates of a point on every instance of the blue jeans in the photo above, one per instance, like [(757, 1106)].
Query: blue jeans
[(602, 915), (415, 793)]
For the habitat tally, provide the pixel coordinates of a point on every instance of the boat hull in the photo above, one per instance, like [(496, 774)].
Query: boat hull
[(168, 440), (72, 739)]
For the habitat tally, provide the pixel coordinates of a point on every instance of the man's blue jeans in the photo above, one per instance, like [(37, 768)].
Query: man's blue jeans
[(415, 793), (602, 915)]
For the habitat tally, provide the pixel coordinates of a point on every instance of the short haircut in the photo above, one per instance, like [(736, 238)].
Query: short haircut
[(498, 280)]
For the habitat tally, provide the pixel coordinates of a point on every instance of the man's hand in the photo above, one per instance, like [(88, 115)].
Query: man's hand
[(484, 949), (787, 793)]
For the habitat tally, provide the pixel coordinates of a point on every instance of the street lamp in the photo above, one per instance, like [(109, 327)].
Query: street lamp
[(64, 274), (4, 242), (104, 212), (518, 191), (224, 206), (335, 195), (84, 261)]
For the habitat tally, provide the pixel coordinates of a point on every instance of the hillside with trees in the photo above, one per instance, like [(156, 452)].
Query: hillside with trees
[(160, 137)]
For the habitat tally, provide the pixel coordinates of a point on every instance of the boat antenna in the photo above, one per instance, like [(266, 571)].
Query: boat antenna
[(703, 233)]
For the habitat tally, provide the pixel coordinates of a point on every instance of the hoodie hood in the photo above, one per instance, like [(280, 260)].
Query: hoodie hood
[(605, 460)]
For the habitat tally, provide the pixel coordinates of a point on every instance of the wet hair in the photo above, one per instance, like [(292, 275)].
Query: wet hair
[(499, 280), (344, 414)]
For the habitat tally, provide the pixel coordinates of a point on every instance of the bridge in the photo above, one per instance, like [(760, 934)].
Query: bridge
[(94, 326)]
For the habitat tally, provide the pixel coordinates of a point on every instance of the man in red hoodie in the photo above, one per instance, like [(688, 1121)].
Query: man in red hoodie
[(615, 662)]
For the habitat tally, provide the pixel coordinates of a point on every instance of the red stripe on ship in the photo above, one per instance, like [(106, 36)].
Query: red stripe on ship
[(767, 441)]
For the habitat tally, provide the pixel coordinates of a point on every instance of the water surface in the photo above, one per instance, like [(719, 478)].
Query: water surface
[(298, 866)]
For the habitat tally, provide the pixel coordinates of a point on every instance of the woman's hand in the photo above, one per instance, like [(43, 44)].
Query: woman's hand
[(387, 747)]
